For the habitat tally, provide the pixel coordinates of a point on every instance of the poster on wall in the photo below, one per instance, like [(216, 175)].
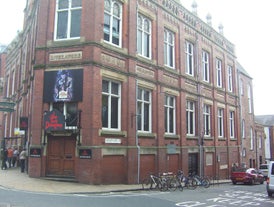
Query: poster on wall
[(63, 85)]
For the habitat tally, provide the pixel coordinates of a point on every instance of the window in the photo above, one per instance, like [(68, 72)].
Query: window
[(13, 83), (260, 142), (241, 87), (189, 51), (113, 22), (219, 73), (70, 111), (205, 66), (170, 115), (244, 152), (144, 36), (243, 128), (229, 79), (220, 122), (190, 118), (144, 110), (251, 139), (207, 119), (111, 105), (169, 49), (232, 124), (249, 99), (68, 19)]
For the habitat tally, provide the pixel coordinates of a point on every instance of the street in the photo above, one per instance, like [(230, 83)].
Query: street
[(216, 196)]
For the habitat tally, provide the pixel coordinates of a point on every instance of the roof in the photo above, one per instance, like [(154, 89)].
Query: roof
[(267, 120), (242, 70)]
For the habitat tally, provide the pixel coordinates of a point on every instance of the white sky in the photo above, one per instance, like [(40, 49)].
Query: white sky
[(248, 24)]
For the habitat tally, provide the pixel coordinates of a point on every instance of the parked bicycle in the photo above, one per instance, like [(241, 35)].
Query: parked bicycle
[(201, 181), (185, 181), (154, 182)]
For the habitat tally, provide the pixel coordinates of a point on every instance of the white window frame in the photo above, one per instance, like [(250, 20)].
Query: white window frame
[(113, 17), (170, 108), (169, 48), (243, 128), (249, 97), (207, 120), (205, 65), (220, 122), (219, 79), (190, 118), (142, 104), (143, 33), (70, 9), (241, 87), (232, 124), (189, 55), (251, 139), (111, 95), (229, 78)]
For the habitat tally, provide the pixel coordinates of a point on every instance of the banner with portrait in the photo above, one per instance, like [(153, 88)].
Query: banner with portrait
[(63, 85)]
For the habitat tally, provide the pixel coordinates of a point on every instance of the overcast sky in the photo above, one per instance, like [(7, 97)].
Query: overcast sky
[(248, 24)]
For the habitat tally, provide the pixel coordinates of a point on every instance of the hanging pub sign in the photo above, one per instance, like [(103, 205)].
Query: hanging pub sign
[(85, 153), (54, 121), (35, 152), (23, 123)]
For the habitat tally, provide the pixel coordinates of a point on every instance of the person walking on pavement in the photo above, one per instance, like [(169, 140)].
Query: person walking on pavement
[(15, 157), (22, 157), (10, 156), (4, 156)]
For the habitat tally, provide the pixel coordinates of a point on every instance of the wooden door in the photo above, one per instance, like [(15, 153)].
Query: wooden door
[(61, 156)]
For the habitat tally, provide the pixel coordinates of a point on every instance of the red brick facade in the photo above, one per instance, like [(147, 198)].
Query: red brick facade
[(124, 156)]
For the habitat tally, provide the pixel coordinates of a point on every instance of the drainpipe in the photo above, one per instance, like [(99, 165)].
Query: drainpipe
[(136, 134), (200, 110)]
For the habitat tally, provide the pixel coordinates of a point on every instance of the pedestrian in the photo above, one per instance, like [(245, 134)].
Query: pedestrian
[(4, 154), (10, 156), (15, 157), (22, 157)]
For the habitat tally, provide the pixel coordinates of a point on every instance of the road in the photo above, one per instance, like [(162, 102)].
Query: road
[(225, 195)]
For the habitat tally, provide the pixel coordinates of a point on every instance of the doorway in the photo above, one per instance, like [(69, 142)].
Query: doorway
[(61, 156)]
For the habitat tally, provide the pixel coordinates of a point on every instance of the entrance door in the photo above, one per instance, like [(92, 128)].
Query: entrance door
[(193, 163), (61, 156)]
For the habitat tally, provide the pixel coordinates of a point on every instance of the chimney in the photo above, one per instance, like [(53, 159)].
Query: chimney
[(194, 8), (209, 19), (221, 29)]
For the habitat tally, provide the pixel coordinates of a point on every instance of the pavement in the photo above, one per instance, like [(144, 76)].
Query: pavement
[(12, 178)]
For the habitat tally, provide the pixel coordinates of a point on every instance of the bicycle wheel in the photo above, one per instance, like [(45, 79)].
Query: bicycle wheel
[(162, 184), (146, 184), (172, 184), (205, 182), (191, 184)]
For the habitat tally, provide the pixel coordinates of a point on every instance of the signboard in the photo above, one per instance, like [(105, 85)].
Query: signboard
[(171, 149), (35, 152), (85, 153), (112, 141), (54, 121), (23, 123)]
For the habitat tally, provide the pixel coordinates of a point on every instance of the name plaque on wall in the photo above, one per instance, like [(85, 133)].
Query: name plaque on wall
[(35, 152), (85, 153)]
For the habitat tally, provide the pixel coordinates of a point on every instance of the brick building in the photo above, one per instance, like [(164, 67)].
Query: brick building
[(252, 133), (112, 90)]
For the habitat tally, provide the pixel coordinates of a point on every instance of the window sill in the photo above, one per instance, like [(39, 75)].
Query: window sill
[(191, 137), (105, 132), (172, 136), (146, 135)]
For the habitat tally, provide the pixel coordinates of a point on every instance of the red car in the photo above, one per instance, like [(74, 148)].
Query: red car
[(247, 176)]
